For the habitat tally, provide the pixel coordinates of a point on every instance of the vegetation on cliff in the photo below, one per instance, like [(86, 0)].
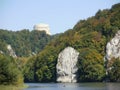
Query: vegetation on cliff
[(89, 37)]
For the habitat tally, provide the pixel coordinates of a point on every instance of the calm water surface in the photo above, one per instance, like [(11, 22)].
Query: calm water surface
[(73, 86)]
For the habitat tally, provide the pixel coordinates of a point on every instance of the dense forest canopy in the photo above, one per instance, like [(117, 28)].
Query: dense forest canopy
[(24, 42), (89, 37)]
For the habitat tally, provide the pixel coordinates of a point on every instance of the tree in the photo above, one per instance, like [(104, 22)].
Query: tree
[(9, 73), (29, 70), (91, 66), (114, 70)]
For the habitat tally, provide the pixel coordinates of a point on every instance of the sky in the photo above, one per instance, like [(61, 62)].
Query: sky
[(61, 15)]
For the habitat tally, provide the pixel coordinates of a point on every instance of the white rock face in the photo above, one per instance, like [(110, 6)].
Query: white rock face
[(113, 47), (1, 52), (66, 65), (42, 27), (11, 52)]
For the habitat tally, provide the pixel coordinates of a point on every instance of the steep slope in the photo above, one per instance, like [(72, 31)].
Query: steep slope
[(89, 38)]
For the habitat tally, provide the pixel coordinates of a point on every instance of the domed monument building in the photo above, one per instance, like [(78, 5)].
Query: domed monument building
[(42, 27)]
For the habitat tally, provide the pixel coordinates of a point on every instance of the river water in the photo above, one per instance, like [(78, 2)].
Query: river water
[(73, 86)]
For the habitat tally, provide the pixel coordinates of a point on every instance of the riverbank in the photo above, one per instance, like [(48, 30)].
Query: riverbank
[(13, 87)]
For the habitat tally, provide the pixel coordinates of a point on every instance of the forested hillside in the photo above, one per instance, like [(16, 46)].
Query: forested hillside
[(89, 37), (24, 42)]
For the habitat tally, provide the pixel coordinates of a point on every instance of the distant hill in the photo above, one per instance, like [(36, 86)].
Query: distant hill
[(24, 42)]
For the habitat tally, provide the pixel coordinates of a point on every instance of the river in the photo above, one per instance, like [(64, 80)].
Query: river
[(73, 86)]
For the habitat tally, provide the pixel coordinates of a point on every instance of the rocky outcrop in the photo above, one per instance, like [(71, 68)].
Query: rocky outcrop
[(66, 65), (11, 51), (112, 51), (1, 52), (113, 47)]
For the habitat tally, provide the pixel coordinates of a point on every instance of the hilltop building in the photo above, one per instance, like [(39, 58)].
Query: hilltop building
[(42, 27)]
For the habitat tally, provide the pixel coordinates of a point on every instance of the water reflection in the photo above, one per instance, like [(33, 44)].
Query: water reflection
[(74, 86), (112, 86)]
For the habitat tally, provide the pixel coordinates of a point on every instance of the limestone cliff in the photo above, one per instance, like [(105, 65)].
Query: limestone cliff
[(11, 51), (113, 47), (112, 51), (66, 65)]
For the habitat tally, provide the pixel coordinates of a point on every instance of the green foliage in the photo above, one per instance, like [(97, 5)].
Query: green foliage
[(29, 70), (9, 73), (24, 42), (46, 65), (43, 74), (91, 66), (114, 70)]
